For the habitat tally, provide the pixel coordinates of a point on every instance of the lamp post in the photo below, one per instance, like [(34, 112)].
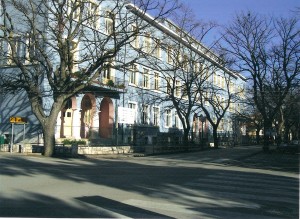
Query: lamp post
[(202, 119)]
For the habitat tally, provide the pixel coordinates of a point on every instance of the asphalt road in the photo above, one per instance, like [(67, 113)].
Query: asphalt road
[(225, 183)]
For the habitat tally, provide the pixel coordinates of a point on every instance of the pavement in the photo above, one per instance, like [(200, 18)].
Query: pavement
[(239, 182)]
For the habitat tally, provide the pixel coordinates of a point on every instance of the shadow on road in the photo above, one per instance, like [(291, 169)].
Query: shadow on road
[(120, 208), (210, 192)]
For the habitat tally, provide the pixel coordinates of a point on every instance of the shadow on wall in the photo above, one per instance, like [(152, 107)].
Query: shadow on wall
[(18, 105)]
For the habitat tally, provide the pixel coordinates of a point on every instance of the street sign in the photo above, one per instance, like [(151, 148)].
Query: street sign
[(18, 120)]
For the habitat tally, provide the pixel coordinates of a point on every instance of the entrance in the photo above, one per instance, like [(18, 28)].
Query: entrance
[(87, 114), (67, 119), (106, 118)]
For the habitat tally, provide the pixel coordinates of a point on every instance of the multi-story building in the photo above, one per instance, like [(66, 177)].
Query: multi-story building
[(127, 105)]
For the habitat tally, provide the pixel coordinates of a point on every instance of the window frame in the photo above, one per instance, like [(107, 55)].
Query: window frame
[(156, 81), (168, 118), (133, 74), (156, 116), (146, 81)]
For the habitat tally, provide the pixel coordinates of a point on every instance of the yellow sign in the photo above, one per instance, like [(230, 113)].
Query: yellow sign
[(16, 119)]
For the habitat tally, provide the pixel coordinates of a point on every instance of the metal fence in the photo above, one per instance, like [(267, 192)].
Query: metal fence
[(141, 138)]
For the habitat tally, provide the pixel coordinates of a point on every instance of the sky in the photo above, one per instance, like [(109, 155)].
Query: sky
[(222, 11)]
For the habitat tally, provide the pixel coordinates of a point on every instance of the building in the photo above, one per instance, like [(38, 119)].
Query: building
[(125, 105)]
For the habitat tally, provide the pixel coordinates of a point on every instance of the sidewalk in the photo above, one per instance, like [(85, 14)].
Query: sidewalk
[(220, 155)]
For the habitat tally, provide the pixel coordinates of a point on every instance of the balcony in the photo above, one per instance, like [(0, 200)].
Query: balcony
[(110, 87), (112, 82)]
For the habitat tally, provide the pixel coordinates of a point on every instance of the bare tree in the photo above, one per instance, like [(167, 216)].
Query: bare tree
[(251, 115), (216, 97), (267, 51), (185, 65), (66, 45), (288, 117)]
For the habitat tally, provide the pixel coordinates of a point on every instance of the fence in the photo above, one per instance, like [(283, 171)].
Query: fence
[(124, 138)]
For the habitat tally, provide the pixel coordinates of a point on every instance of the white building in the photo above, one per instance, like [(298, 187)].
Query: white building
[(136, 90)]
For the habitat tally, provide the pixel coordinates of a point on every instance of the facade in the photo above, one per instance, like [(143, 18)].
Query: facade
[(124, 106)]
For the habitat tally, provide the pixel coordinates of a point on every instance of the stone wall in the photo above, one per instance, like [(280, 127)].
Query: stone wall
[(104, 150), (68, 150)]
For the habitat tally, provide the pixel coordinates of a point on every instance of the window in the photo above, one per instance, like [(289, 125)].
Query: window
[(135, 42), (147, 43), (177, 120), (206, 101), (157, 49), (223, 82), (145, 115), (16, 49), (133, 74), (231, 87), (132, 105), (169, 55), (92, 11), (168, 118), (109, 26), (146, 78), (195, 66), (168, 81), (177, 88), (31, 51), (73, 9), (107, 71), (156, 81), (185, 63), (185, 91), (156, 116), (75, 55)]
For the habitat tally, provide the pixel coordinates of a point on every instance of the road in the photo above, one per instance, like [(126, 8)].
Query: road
[(225, 183)]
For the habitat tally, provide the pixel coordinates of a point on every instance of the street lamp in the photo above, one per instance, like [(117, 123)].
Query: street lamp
[(202, 119)]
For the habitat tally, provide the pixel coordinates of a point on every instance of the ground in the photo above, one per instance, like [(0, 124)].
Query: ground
[(239, 182)]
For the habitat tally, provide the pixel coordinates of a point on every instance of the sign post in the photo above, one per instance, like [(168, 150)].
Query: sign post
[(12, 138), (16, 120)]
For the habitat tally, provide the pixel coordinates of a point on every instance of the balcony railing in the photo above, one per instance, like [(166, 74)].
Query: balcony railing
[(113, 82)]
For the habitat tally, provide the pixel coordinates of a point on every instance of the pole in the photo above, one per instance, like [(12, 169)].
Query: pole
[(117, 125), (202, 133), (12, 138), (23, 144)]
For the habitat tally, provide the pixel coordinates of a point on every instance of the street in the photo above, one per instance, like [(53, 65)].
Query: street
[(237, 182)]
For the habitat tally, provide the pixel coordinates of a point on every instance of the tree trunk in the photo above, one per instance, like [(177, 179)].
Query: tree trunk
[(186, 137), (48, 123), (286, 134), (49, 137), (257, 136), (215, 136), (267, 135), (48, 126)]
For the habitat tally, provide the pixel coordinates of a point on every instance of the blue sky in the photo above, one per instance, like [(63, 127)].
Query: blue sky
[(223, 10)]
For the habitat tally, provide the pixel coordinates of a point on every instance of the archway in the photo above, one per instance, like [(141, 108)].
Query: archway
[(87, 113), (66, 118), (106, 118)]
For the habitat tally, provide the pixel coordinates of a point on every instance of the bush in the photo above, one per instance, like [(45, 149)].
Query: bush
[(110, 83)]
